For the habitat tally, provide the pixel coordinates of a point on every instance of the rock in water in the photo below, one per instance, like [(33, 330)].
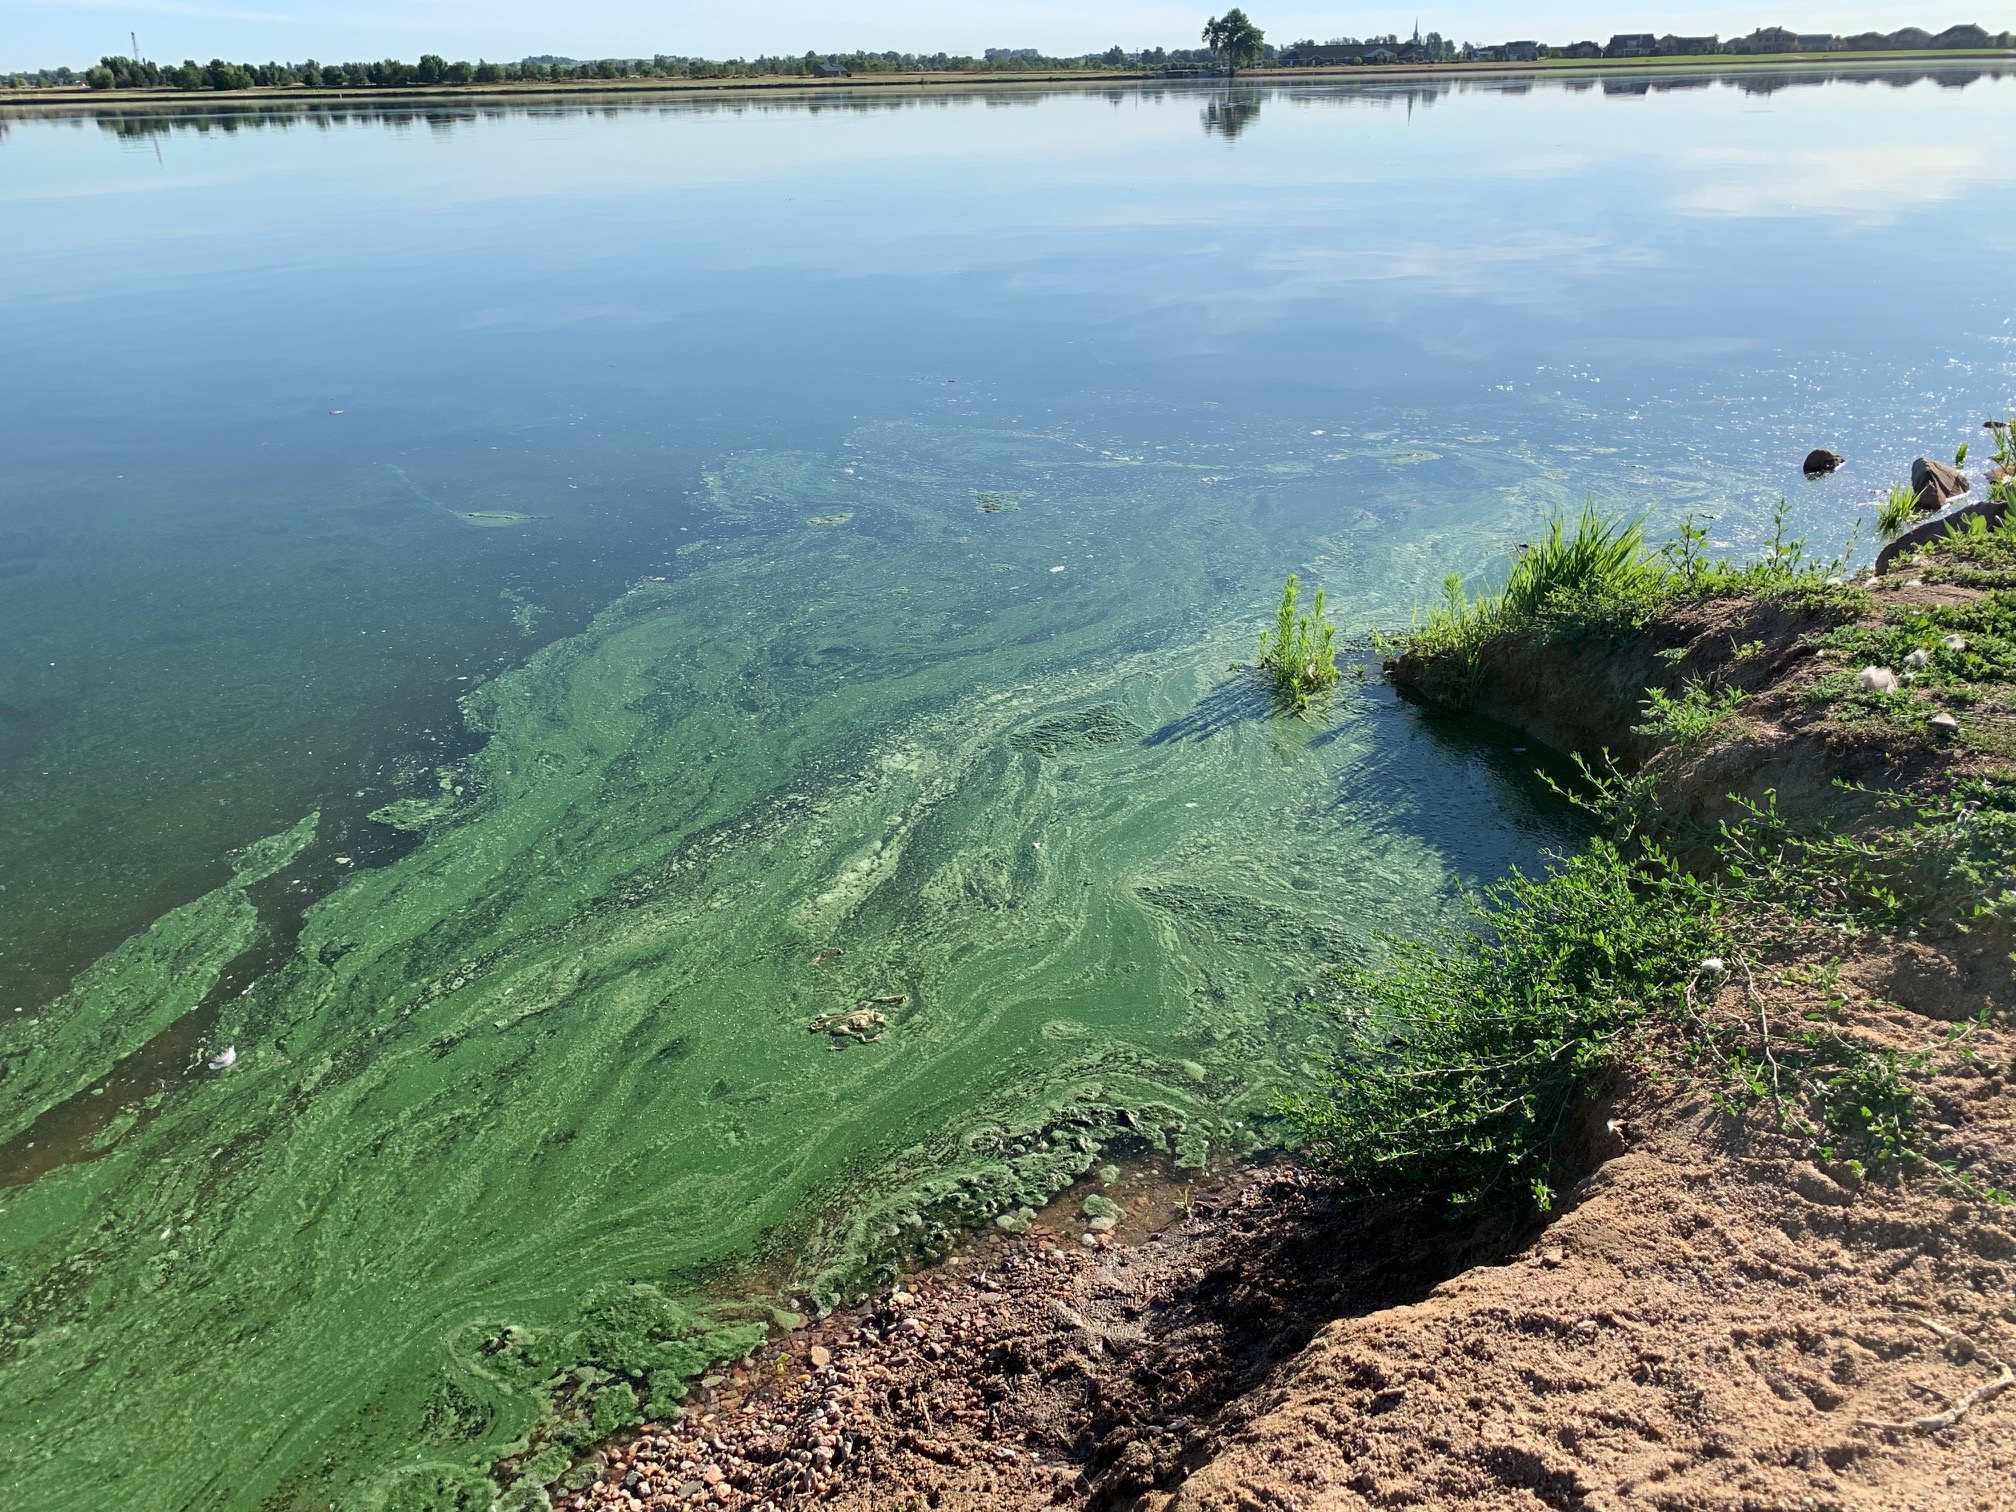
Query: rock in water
[(1934, 483), (1821, 462)]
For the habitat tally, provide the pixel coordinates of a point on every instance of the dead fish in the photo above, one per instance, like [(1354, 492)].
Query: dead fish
[(226, 1060), (830, 953)]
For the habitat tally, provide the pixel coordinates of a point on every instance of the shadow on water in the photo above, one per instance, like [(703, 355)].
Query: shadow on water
[(1236, 701), (1526, 780)]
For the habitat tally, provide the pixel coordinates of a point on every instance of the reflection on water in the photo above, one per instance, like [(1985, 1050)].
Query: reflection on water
[(1226, 112), (664, 543), (1231, 113)]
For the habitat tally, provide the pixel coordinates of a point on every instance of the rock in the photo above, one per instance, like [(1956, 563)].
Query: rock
[(1820, 462), (1945, 724), (1905, 546), (1103, 1224), (1935, 483), (1876, 680), (821, 1357)]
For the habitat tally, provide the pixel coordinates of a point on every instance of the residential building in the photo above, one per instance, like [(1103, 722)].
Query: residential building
[(1521, 52), (1332, 54), (1688, 47), (1963, 36), (1632, 45), (1767, 39), (1817, 42), (1577, 50)]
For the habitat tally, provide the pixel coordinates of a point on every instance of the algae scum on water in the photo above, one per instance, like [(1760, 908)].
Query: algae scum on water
[(515, 1111)]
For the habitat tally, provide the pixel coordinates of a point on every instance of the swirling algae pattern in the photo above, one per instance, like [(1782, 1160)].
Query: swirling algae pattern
[(529, 1121)]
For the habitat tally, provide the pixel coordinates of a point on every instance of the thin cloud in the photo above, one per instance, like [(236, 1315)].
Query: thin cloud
[(1874, 185)]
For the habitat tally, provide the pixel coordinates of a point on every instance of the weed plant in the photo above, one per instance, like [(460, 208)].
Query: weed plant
[(1688, 720), (1468, 1060), (1300, 653), (1893, 515)]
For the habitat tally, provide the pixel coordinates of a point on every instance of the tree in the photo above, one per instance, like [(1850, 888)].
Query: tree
[(1235, 39)]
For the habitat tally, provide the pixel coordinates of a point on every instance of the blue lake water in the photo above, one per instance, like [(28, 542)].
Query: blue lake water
[(708, 534)]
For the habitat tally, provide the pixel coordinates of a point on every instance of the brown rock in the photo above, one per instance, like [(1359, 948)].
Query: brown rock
[(821, 1357), (1820, 462), (1935, 483)]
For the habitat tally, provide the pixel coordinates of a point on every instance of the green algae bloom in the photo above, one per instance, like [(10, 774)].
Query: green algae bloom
[(516, 1111)]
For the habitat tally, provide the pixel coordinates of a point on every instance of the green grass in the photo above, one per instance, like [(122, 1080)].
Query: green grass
[(1893, 516), (1600, 581)]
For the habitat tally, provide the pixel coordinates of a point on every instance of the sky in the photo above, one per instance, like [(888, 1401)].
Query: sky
[(45, 33)]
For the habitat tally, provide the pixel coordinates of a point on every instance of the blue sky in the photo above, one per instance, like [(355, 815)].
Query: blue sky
[(43, 33)]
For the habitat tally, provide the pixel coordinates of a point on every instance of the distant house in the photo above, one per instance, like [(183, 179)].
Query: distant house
[(1521, 52), (830, 71), (1688, 47), (1766, 39), (1578, 50), (1865, 42), (1957, 37), (1332, 55), (1632, 45), (1817, 42), (1911, 37)]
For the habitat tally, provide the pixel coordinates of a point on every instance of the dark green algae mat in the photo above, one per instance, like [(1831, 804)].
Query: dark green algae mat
[(529, 1125)]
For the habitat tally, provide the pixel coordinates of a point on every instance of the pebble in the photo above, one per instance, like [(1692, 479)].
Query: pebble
[(821, 1356)]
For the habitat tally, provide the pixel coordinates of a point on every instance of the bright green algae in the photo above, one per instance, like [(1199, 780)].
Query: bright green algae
[(516, 1099), (134, 992)]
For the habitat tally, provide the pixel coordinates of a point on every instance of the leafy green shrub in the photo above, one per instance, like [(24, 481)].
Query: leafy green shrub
[(1469, 1058), (1301, 651), (1687, 721), (1467, 1061)]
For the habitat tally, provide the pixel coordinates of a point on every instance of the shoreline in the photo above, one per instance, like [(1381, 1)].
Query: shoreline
[(1723, 1310), (72, 99)]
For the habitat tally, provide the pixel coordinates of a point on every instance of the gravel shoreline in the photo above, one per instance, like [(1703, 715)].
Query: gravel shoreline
[(1040, 1370)]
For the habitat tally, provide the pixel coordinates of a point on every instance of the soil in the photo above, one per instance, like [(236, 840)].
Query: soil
[(1712, 1322), (1709, 1320)]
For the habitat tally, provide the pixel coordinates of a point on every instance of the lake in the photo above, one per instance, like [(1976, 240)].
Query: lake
[(513, 617)]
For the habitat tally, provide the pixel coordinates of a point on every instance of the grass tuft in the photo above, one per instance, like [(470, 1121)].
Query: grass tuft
[(1300, 653)]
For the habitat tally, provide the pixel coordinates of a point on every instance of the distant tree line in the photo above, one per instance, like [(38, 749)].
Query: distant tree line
[(115, 73)]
